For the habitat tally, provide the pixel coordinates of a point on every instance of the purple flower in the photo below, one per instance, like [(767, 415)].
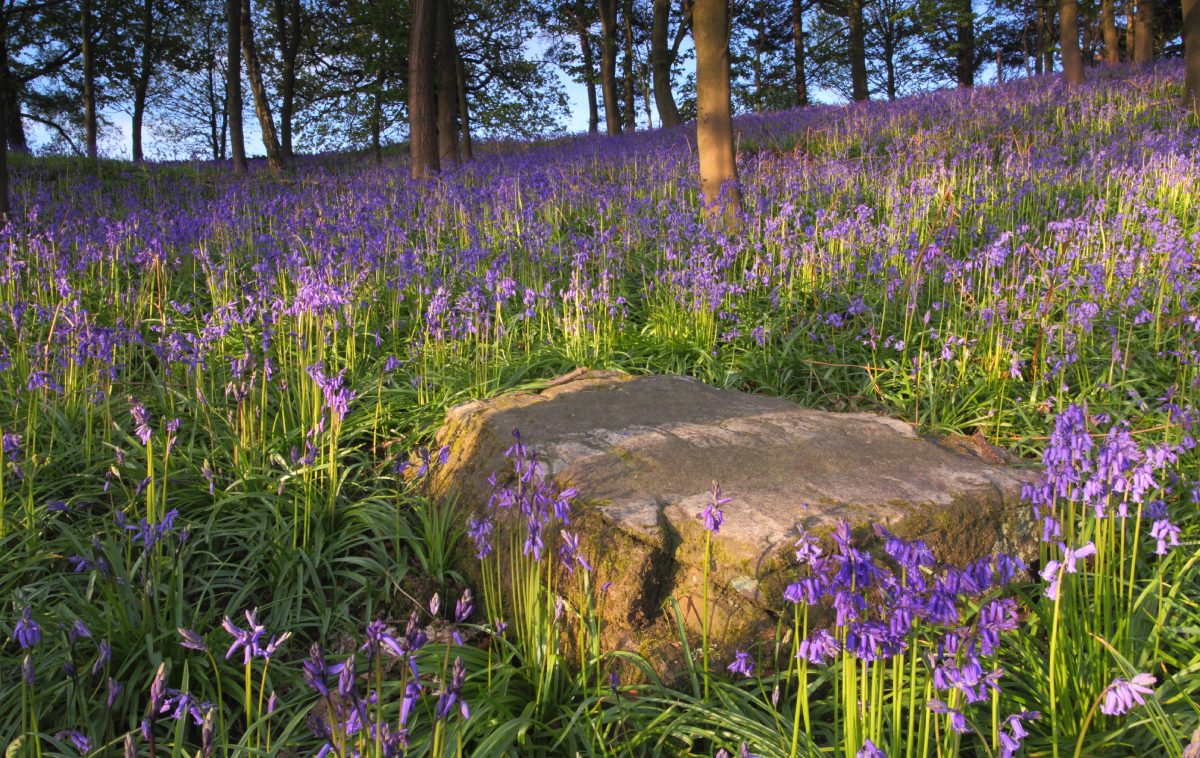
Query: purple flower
[(1053, 571), (569, 553), (77, 632), (103, 656), (378, 639), (464, 607), (742, 664), (141, 420), (77, 739), (158, 690), (819, 647), (1164, 532), (870, 750), (192, 641), (1121, 696), (1010, 741), (247, 639), (451, 692), (713, 516), (480, 532), (958, 721), (114, 691), (27, 633), (412, 693)]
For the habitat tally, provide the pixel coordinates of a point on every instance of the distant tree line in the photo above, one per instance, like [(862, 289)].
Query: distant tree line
[(340, 74)]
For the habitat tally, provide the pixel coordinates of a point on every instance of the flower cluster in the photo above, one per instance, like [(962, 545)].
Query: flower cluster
[(531, 501), (908, 605)]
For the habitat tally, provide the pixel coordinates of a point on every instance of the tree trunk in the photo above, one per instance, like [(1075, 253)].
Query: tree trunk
[(1087, 47), (756, 68), (14, 126), (858, 52), (447, 88), (142, 84), (377, 118), (1048, 40), (1108, 25), (1129, 27), (630, 114), (422, 92), (1143, 33), (233, 85), (608, 64), (714, 110), (798, 52), (1038, 57), (1068, 39), (589, 79), (89, 77), (262, 106), (289, 31), (464, 110), (964, 43), (660, 65), (889, 70), (218, 113), (5, 83), (1191, 55)]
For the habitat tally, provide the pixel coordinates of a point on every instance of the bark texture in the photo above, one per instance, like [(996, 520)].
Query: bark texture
[(141, 84), (422, 92), (1108, 28), (5, 83), (262, 104), (660, 65), (289, 30), (449, 153), (1143, 33), (608, 64), (233, 84), (1191, 54), (464, 109), (798, 52), (589, 79), (858, 52), (714, 110), (630, 110), (1068, 39), (964, 42), (89, 77)]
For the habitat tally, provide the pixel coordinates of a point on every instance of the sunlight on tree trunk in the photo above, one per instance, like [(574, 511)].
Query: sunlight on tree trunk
[(1191, 53), (422, 93), (714, 123), (262, 105), (447, 88), (1108, 25), (798, 52), (589, 79), (1143, 33), (660, 65), (608, 65), (1068, 38)]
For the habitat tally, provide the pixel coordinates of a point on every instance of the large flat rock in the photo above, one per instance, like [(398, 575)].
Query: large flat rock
[(643, 452)]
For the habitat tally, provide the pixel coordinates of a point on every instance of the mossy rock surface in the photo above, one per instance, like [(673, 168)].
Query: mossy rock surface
[(644, 451)]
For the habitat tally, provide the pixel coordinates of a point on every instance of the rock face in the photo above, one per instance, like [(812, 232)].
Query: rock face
[(643, 452)]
